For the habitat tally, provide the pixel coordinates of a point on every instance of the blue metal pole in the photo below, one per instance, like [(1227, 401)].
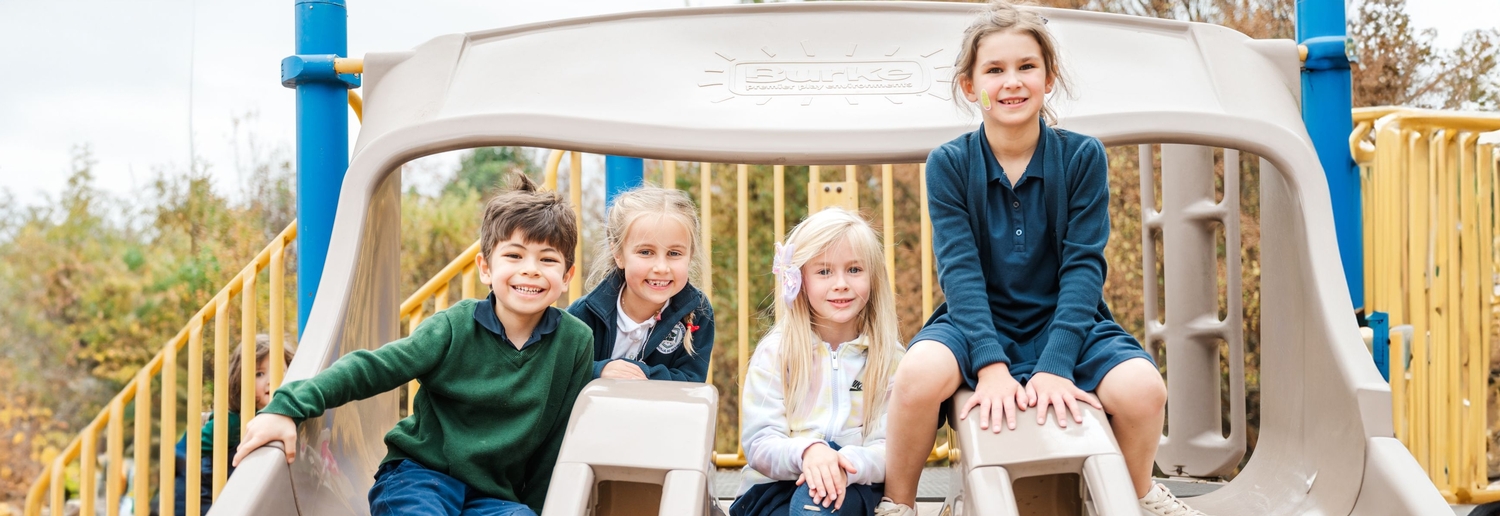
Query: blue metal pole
[(621, 174), (1326, 105), (322, 135)]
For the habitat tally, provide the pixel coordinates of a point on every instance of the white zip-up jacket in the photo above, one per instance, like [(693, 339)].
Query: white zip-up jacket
[(774, 443)]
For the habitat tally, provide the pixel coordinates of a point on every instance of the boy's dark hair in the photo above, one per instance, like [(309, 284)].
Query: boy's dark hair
[(262, 350), (543, 217)]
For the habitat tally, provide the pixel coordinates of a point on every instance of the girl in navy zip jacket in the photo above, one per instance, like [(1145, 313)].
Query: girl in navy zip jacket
[(1020, 216), (648, 320)]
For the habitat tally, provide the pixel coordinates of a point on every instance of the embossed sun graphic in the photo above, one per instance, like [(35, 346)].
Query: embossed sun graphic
[(852, 71)]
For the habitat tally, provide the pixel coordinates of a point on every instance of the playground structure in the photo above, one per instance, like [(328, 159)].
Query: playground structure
[(1433, 175), (1332, 452)]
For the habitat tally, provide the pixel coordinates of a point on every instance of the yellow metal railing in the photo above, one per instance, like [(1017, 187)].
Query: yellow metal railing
[(50, 485), (1430, 262)]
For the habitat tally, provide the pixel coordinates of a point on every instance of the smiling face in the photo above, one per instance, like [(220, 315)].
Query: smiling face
[(526, 276), (655, 255), (1010, 69), (837, 283)]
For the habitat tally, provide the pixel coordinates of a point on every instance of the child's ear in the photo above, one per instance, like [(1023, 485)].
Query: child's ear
[(1051, 80), (967, 86), (567, 278), (483, 267)]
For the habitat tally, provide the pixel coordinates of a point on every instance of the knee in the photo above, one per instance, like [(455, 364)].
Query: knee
[(927, 374), (1140, 394)]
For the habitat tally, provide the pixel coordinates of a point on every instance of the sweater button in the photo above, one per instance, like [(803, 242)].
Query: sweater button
[(1015, 204)]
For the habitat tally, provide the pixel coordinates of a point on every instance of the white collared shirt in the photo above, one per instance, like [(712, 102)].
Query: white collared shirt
[(630, 336)]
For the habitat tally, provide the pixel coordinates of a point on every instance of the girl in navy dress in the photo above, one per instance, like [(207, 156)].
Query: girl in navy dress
[(1020, 215)]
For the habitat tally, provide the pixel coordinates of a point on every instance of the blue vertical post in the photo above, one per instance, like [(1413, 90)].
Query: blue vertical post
[(1326, 105), (322, 135), (621, 174), (1380, 345)]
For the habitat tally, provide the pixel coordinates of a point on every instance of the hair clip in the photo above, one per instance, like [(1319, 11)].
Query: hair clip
[(791, 276), (1044, 19)]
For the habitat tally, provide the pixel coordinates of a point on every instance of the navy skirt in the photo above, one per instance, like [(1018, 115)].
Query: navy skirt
[(1106, 346)]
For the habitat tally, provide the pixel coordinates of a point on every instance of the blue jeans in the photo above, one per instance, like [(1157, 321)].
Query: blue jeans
[(803, 505), (405, 487)]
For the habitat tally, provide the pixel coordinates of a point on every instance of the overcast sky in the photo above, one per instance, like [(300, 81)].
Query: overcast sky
[(116, 75)]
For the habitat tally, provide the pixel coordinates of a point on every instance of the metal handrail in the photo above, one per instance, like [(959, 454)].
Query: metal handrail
[(1430, 261), (51, 480)]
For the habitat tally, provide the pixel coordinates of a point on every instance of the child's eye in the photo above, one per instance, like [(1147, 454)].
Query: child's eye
[(259, 375), (513, 256), (823, 272), (550, 259), (856, 270), (1028, 66), (674, 254), (992, 70), (644, 252)]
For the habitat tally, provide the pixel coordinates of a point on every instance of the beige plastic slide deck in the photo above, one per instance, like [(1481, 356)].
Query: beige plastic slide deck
[(636, 448), (836, 83), (1045, 463)]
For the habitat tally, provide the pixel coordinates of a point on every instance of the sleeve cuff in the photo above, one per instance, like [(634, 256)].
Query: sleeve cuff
[(599, 368), (983, 355), (1061, 355)]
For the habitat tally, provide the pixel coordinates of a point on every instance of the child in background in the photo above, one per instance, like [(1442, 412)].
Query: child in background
[(499, 377), (1020, 217), (262, 397), (648, 320), (815, 396)]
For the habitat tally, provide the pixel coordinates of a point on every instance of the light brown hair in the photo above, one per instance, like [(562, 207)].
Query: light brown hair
[(262, 350), (543, 217), (1002, 16)]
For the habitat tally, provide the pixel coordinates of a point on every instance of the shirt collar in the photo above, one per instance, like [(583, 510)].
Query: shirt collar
[(1033, 167), (627, 324), (484, 314)]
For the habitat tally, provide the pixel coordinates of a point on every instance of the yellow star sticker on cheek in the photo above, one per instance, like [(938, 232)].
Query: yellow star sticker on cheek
[(984, 100)]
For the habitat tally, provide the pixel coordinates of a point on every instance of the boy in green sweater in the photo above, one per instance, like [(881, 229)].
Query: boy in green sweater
[(499, 377)]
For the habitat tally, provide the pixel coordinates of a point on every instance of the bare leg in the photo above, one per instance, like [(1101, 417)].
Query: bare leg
[(1134, 394), (927, 377)]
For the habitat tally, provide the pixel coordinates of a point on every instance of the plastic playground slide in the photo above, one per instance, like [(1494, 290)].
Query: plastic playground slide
[(866, 83)]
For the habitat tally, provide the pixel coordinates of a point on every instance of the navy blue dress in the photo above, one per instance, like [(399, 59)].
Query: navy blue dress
[(1022, 265)]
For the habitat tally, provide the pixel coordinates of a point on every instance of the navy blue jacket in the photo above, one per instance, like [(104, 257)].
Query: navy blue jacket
[(1075, 182), (663, 357)]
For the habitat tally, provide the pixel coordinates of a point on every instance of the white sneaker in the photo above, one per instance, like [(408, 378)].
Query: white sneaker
[(1160, 502), (890, 508)]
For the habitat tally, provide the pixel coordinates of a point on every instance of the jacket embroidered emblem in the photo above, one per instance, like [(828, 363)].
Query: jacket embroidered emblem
[(673, 340)]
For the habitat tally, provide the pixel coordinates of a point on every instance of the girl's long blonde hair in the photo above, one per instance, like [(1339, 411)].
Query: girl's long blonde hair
[(648, 204), (815, 235)]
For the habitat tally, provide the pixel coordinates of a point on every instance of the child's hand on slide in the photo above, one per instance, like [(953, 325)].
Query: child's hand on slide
[(267, 428), (823, 470), (622, 370), (1047, 388), (998, 396)]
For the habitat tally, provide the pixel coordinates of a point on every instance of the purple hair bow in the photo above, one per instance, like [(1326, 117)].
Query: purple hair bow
[(791, 276)]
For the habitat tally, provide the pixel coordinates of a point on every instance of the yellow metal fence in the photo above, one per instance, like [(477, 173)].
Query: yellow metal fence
[(1429, 199), (50, 486)]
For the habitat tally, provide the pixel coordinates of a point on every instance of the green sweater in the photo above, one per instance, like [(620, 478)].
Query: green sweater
[(487, 414)]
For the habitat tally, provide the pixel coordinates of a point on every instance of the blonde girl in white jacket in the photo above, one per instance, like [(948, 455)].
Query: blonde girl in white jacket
[(814, 400)]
